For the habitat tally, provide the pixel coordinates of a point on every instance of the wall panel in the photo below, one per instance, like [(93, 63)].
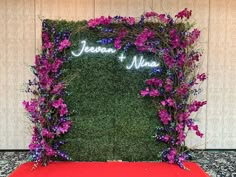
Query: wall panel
[(18, 24), (221, 115)]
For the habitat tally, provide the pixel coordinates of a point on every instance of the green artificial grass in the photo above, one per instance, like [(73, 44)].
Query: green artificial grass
[(111, 120)]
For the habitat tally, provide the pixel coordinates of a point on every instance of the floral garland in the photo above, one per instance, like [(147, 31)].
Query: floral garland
[(47, 110), (173, 95)]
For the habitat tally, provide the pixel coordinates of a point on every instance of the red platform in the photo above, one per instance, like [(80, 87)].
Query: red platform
[(109, 169)]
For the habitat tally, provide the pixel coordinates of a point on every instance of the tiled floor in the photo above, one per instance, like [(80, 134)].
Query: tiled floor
[(215, 163)]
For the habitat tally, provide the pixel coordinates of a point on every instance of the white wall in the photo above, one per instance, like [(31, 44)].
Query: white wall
[(20, 39)]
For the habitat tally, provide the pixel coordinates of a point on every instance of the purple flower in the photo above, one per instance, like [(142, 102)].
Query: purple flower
[(155, 81), (175, 40), (193, 36), (184, 13), (183, 89), (56, 65), (181, 137), (64, 44), (99, 21), (57, 103), (31, 106), (181, 60), (196, 105), (117, 43), (64, 127), (169, 60), (170, 102), (168, 86), (129, 20), (163, 18), (183, 116), (145, 92), (164, 116), (63, 110), (49, 150), (141, 39), (201, 77), (172, 155), (57, 88), (179, 127), (122, 34), (154, 93), (46, 133), (150, 14)]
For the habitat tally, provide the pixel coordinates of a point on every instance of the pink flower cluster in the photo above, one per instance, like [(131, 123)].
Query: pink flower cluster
[(46, 42), (193, 36), (184, 13), (141, 39), (154, 83), (201, 77), (48, 109), (196, 105), (99, 21), (129, 20), (59, 104), (44, 68), (64, 44), (169, 60), (150, 14), (122, 34), (163, 18), (165, 117), (170, 102), (175, 40), (151, 93), (172, 155)]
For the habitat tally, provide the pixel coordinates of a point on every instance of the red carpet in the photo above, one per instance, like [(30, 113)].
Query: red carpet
[(109, 169)]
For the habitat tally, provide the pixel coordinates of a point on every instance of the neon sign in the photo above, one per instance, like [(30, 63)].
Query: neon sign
[(91, 49), (137, 61)]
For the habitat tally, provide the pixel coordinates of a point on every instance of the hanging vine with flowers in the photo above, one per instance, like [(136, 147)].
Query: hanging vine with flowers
[(172, 85), (47, 110)]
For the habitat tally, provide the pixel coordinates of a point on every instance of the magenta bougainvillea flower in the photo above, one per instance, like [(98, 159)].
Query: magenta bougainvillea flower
[(141, 39), (57, 88), (64, 44), (145, 92), (48, 110), (129, 20), (154, 81), (122, 34), (172, 155), (184, 13), (150, 14), (201, 77), (154, 93), (165, 117), (99, 21), (61, 105), (163, 18), (196, 105)]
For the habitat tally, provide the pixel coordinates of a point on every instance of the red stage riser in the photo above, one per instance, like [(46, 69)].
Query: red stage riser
[(109, 169)]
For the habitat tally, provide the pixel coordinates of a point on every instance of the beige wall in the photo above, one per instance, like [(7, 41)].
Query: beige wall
[(20, 40)]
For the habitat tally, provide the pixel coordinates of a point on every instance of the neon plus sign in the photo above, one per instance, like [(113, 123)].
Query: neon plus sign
[(122, 57)]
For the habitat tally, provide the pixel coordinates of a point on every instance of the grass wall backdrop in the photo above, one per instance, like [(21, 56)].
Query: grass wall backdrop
[(125, 87), (112, 121)]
